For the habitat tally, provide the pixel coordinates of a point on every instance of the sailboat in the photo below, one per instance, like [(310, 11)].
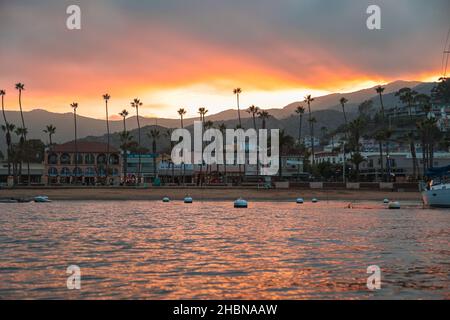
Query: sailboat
[(436, 193)]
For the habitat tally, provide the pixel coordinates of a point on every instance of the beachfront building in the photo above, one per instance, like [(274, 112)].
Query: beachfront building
[(36, 173), (91, 166), (398, 165), (148, 170)]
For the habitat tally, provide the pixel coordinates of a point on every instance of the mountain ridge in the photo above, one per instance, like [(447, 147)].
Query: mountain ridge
[(38, 118)]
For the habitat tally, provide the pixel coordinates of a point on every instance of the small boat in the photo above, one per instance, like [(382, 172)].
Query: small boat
[(188, 199), (315, 200), (300, 200), (394, 205), (8, 200), (42, 199), (241, 203), (166, 199), (436, 193)]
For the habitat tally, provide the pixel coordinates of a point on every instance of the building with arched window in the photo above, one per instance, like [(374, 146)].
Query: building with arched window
[(86, 163)]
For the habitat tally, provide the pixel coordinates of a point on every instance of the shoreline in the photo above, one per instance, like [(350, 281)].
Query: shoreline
[(206, 194)]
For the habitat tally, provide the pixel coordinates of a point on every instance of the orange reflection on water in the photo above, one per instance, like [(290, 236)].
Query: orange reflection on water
[(210, 250)]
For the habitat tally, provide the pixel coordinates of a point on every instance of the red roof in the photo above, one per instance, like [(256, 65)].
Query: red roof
[(83, 147)]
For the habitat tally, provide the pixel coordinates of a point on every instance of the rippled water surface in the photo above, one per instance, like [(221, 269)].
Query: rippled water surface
[(154, 250)]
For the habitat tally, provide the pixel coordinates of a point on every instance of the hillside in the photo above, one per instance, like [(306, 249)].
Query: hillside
[(326, 109)]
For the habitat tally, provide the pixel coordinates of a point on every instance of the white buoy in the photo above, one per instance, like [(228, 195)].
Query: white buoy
[(314, 200), (394, 205), (166, 199), (240, 203), (300, 200), (386, 201), (187, 199)]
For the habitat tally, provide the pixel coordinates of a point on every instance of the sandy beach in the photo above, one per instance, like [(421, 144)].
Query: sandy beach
[(203, 194)]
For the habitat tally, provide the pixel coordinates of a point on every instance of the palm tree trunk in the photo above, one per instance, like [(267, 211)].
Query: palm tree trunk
[(139, 145), (345, 115), (300, 129), (239, 111), (388, 163), (24, 136), (381, 160), (414, 159), (76, 142), (382, 105), (107, 144), (7, 137)]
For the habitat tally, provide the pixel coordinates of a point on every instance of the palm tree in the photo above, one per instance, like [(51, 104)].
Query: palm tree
[(253, 110), (125, 141), (21, 87), (300, 111), (154, 135), (380, 137), (357, 159), (356, 128), (168, 135), (223, 129), (6, 129), (74, 106), (21, 133), (124, 115), (411, 137), (323, 134), (343, 101), (308, 100), (237, 92), (136, 103), (182, 112), (106, 97), (263, 115), (388, 134), (380, 91), (202, 112), (285, 140), (312, 121), (407, 96), (50, 130)]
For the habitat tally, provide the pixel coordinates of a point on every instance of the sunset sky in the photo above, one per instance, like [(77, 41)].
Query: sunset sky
[(192, 53)]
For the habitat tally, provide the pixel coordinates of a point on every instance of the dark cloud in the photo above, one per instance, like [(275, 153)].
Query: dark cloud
[(295, 37)]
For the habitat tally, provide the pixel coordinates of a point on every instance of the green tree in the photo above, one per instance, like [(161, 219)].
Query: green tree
[(154, 136), (380, 91), (50, 130), (300, 111), (357, 159), (74, 106), (263, 115), (20, 87), (136, 103), (237, 92), (309, 99), (124, 115), (407, 97), (253, 110), (343, 101)]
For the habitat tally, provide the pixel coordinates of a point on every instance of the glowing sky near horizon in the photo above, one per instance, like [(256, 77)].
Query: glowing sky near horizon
[(192, 53)]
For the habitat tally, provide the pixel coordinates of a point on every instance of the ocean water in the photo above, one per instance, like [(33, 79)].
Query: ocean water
[(209, 250)]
